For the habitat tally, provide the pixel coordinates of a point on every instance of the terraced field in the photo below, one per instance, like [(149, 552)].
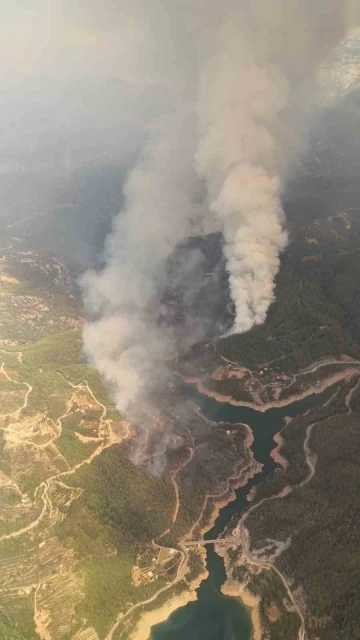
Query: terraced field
[(56, 418)]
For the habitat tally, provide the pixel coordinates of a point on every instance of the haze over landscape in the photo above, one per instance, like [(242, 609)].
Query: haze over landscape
[(179, 319), (243, 89)]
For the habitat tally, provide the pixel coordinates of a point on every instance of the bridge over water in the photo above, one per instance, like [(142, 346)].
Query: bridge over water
[(223, 541)]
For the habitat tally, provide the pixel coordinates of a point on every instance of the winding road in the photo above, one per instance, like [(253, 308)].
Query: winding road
[(243, 533)]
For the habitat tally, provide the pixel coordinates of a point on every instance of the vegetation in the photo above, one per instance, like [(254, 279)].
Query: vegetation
[(302, 326), (71, 447), (269, 586), (36, 297), (316, 311), (120, 510), (107, 514), (12, 630), (221, 451), (321, 518)]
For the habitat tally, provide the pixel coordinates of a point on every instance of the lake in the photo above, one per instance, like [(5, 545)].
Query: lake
[(214, 616)]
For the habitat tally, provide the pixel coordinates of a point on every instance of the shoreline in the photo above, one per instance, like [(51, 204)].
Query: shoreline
[(151, 618), (159, 615), (249, 601), (276, 454), (275, 404), (234, 482), (236, 590), (240, 592)]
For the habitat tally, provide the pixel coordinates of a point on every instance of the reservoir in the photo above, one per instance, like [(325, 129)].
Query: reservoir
[(214, 616)]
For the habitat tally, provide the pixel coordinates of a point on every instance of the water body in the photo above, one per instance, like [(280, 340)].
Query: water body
[(214, 616)]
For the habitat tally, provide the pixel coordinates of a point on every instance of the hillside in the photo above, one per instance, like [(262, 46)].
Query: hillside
[(319, 517), (302, 326), (85, 533)]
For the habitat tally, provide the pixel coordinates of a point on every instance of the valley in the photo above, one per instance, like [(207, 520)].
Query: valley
[(95, 547)]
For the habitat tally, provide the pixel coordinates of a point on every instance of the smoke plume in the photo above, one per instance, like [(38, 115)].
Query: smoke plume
[(125, 340), (244, 74)]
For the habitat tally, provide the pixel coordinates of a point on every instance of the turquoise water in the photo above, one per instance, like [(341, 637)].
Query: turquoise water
[(214, 616)]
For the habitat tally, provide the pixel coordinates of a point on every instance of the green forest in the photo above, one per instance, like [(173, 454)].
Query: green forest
[(320, 515), (302, 326), (121, 509)]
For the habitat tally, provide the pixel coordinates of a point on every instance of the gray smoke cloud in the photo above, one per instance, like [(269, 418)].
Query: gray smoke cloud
[(244, 73), (125, 341)]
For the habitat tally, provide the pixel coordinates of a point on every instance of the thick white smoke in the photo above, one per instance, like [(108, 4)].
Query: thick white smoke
[(256, 81), (124, 340), (237, 100), (244, 71)]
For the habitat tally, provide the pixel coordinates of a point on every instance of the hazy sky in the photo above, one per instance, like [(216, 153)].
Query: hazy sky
[(71, 38), (113, 37), (63, 76), (37, 38)]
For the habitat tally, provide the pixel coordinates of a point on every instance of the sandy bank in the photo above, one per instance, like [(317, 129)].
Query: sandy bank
[(251, 602), (236, 481), (221, 502), (275, 404), (275, 454), (238, 590), (239, 479), (161, 614)]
